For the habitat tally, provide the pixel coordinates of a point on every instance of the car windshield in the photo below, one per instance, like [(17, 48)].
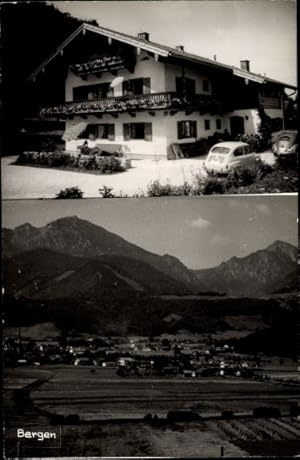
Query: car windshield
[(221, 150)]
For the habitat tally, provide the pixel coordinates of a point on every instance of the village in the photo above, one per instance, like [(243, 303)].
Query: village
[(164, 356)]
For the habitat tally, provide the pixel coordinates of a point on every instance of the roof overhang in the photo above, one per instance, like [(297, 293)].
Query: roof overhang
[(247, 75), (138, 43), (158, 51)]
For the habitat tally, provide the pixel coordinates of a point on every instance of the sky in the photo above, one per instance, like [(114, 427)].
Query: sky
[(201, 232), (262, 31)]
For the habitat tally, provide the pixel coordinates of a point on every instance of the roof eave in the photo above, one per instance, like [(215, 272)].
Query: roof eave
[(138, 43)]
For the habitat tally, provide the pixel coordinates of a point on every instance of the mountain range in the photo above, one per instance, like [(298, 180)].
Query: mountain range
[(71, 256)]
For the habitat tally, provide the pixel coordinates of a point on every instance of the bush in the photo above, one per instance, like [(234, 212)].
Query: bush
[(70, 193), (156, 189), (213, 186), (62, 159), (254, 140), (106, 192), (265, 128), (244, 176)]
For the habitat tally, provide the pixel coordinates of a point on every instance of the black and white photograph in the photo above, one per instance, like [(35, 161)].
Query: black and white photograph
[(151, 327), (149, 98), (150, 287)]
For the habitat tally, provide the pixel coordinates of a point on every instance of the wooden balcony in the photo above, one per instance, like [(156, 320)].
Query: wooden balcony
[(270, 102), (132, 104)]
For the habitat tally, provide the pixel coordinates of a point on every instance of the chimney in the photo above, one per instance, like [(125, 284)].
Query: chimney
[(180, 48), (245, 65), (144, 36)]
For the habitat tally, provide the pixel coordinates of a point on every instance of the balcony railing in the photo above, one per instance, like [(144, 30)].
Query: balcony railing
[(156, 101), (270, 102)]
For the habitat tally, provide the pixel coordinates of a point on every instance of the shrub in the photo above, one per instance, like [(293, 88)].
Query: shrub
[(255, 141), (156, 189), (265, 128), (109, 164), (213, 186), (62, 159), (106, 192), (70, 193), (244, 176)]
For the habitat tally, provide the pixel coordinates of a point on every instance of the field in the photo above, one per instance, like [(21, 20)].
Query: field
[(111, 411)]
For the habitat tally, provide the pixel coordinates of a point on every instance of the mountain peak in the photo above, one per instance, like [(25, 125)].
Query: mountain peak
[(25, 227), (279, 244)]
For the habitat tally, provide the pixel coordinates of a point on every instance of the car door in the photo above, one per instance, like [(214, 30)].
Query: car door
[(236, 157), (249, 156)]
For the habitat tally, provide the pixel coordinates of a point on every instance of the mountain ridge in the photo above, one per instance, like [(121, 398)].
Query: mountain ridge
[(258, 273)]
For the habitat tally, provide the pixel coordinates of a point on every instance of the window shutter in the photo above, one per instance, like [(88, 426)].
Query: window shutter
[(146, 86), (125, 86), (111, 132), (148, 131), (179, 129), (194, 128), (126, 131)]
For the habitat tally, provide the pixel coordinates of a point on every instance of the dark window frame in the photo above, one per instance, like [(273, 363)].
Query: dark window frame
[(186, 129), (81, 93), (131, 130), (93, 128), (129, 87), (219, 123), (207, 125), (185, 85)]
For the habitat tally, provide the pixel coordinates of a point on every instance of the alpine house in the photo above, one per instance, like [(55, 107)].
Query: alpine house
[(143, 97)]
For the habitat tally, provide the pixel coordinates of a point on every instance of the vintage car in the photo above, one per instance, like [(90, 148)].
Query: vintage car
[(285, 143), (225, 156)]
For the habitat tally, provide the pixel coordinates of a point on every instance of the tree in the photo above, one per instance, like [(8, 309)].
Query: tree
[(265, 127)]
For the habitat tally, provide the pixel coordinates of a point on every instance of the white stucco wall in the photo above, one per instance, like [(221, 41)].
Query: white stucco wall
[(171, 126), (253, 119), (164, 131), (133, 148), (143, 69)]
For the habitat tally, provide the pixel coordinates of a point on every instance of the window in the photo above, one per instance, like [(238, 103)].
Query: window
[(100, 131), (205, 85), (137, 131), (136, 87), (90, 92), (186, 129), (206, 125), (185, 86), (224, 150), (238, 152), (218, 123)]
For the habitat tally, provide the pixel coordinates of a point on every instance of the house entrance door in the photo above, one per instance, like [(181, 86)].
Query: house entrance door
[(237, 126)]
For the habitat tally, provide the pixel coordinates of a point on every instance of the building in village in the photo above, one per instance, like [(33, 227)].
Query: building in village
[(129, 92)]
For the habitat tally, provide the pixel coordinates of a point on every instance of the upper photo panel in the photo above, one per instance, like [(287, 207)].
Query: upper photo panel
[(142, 99)]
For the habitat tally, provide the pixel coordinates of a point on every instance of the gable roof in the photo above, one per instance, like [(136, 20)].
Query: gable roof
[(158, 49)]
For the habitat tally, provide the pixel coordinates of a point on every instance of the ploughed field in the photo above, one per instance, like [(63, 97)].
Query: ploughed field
[(243, 437), (97, 394), (111, 410)]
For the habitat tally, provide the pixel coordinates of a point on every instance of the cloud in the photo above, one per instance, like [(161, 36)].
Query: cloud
[(199, 223)]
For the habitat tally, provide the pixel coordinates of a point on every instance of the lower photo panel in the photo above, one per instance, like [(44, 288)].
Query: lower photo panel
[(159, 327)]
